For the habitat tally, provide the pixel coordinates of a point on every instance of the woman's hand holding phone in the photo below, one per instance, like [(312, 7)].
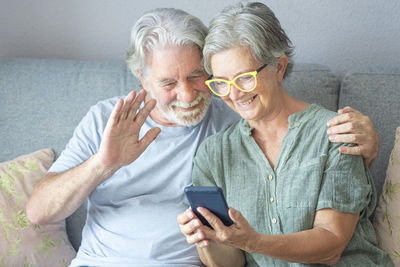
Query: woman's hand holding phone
[(229, 227), (240, 234), (190, 226)]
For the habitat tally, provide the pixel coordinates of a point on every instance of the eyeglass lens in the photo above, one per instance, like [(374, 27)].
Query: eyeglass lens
[(244, 83)]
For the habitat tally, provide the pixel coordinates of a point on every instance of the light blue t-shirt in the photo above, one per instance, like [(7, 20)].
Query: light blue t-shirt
[(131, 217)]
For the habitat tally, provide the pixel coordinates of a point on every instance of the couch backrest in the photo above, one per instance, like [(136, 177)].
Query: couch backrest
[(313, 84), (42, 101), (376, 93)]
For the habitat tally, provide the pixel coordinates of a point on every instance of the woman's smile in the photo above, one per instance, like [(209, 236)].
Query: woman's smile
[(245, 103)]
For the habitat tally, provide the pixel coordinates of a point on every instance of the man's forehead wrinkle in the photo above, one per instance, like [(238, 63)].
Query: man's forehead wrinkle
[(171, 64)]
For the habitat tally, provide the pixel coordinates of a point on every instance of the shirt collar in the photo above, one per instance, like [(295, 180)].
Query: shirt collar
[(295, 119)]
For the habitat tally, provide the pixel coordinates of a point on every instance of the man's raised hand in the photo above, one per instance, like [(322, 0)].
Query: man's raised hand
[(120, 144)]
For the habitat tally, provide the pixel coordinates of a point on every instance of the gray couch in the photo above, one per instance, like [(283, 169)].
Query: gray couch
[(41, 102)]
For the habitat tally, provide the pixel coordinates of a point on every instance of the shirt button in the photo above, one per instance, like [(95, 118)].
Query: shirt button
[(271, 199), (270, 177), (274, 220)]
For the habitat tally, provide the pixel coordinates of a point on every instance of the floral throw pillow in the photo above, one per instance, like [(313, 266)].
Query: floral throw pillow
[(387, 214), (23, 243)]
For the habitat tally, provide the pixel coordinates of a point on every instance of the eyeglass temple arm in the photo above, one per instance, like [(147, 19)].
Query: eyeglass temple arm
[(260, 68)]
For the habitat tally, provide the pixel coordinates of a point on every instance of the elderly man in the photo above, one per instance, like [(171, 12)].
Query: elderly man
[(132, 157)]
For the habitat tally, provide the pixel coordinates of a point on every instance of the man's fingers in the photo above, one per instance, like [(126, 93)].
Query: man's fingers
[(341, 118), (347, 138), (149, 137), (116, 112), (145, 111), (341, 128), (346, 110), (354, 150), (127, 104), (140, 97)]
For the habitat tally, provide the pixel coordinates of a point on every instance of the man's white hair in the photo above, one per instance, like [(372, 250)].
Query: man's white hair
[(161, 27)]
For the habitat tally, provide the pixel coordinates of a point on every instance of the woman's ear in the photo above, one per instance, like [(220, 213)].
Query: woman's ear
[(281, 67)]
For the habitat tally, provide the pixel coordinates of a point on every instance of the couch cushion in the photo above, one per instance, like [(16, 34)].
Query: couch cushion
[(387, 215), (376, 93), (22, 243), (314, 84)]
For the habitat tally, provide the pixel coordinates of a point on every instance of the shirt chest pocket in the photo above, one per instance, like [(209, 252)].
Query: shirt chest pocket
[(298, 188), (298, 185)]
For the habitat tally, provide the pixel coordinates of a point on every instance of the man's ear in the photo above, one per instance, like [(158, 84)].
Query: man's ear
[(141, 78), (281, 67)]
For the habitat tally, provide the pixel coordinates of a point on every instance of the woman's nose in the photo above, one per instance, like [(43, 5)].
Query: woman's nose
[(235, 93)]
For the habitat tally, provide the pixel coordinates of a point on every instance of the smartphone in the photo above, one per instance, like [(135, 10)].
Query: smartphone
[(211, 198)]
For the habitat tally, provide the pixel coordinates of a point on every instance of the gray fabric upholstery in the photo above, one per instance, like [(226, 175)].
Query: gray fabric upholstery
[(313, 84), (376, 93), (42, 101)]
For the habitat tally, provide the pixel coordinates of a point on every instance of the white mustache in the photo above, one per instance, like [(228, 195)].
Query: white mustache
[(181, 104)]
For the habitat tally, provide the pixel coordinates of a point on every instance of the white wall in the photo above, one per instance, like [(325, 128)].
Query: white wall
[(340, 34)]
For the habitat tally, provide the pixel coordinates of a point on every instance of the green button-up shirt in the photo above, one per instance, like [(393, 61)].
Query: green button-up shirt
[(309, 174)]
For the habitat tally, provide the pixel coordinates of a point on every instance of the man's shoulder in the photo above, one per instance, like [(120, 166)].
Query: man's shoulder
[(105, 106), (98, 114), (221, 115), (219, 105), (228, 136)]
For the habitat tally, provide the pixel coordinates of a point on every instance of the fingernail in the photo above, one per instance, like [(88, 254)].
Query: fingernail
[(196, 223)]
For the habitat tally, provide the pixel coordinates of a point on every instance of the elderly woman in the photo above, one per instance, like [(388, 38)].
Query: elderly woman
[(295, 199)]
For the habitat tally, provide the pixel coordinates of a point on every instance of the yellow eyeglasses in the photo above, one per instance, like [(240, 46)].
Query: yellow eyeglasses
[(245, 82)]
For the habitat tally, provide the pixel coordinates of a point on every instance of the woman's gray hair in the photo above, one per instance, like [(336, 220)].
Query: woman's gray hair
[(250, 24), (161, 27)]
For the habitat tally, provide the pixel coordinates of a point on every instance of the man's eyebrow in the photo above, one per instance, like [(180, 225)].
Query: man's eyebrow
[(166, 80), (171, 80), (198, 71)]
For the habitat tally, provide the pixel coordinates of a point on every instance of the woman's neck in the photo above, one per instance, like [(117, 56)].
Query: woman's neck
[(277, 120)]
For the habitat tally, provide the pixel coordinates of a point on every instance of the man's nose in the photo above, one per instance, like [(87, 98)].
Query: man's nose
[(186, 93)]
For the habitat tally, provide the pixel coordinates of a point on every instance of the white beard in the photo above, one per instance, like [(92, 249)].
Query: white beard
[(189, 118)]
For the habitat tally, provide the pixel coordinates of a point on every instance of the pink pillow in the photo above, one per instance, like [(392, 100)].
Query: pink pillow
[(22, 243), (387, 214)]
